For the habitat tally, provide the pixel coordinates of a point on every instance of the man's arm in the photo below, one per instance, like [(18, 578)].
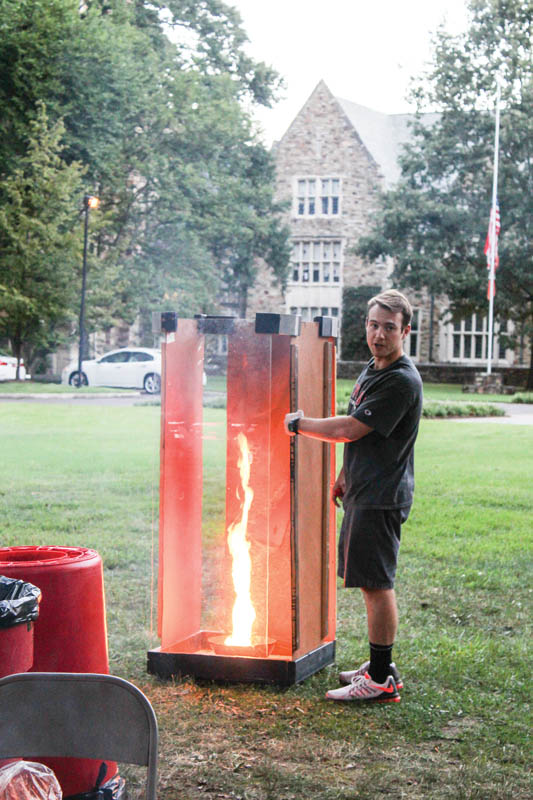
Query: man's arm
[(329, 429)]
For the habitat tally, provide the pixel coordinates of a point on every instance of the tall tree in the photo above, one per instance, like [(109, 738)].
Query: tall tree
[(163, 130), (435, 221), (39, 243)]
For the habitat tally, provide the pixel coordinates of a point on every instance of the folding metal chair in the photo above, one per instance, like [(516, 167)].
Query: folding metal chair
[(80, 715)]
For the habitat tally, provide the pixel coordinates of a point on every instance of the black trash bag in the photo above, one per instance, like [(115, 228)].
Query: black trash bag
[(19, 602), (113, 789)]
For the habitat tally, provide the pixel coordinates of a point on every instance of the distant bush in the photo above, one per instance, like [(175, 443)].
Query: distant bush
[(215, 402), (440, 409), (522, 397), (46, 377), (436, 409)]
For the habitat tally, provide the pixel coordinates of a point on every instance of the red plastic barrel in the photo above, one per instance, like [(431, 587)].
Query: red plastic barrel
[(16, 655), (16, 649), (70, 634)]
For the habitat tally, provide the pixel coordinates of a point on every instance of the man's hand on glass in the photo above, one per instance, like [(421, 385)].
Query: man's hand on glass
[(291, 422)]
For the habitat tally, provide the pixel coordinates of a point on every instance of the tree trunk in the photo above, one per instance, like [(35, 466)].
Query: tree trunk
[(243, 301), (529, 384), (16, 344)]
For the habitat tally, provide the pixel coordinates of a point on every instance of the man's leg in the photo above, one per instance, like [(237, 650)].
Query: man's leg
[(382, 617), (383, 684), (377, 680), (369, 554)]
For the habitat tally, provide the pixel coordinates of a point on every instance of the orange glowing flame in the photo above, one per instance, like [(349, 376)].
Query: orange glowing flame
[(239, 546)]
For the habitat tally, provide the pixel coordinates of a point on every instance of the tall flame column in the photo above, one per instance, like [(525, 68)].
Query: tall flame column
[(243, 616)]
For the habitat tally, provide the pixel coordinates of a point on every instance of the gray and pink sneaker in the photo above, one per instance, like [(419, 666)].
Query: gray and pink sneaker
[(363, 689), (347, 677)]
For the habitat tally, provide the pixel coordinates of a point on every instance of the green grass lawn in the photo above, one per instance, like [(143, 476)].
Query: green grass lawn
[(436, 392), (454, 391), (88, 477)]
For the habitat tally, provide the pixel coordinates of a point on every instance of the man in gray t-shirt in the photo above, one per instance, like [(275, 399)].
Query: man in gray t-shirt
[(376, 485)]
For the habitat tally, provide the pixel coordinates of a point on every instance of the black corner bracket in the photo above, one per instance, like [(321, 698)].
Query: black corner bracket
[(284, 324), (166, 321), (327, 327), (169, 321)]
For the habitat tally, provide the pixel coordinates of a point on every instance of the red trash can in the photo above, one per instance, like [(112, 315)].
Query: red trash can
[(70, 634), (16, 649), (19, 608)]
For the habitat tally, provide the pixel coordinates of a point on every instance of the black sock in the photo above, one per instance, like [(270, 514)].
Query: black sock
[(380, 659)]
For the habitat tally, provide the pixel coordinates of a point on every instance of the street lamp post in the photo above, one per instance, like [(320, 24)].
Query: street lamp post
[(89, 201)]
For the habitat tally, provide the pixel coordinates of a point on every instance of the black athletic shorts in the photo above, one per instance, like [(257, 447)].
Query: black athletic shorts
[(368, 546)]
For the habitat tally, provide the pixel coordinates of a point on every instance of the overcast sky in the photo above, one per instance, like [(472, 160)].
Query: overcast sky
[(365, 50)]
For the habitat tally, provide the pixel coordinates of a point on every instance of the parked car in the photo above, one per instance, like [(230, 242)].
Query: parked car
[(8, 369), (128, 368)]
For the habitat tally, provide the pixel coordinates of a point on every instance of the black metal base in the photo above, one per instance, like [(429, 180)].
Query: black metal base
[(239, 669)]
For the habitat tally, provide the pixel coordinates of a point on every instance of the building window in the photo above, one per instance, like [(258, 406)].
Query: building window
[(329, 195), (468, 339), (317, 261), (412, 342), (308, 313), (318, 196)]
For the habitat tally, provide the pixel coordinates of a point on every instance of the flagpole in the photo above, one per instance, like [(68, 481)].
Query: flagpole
[(492, 276)]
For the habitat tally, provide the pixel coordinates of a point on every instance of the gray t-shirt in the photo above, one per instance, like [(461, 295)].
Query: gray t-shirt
[(379, 468)]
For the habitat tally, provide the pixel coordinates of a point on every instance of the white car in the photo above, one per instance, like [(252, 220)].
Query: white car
[(128, 368), (8, 368)]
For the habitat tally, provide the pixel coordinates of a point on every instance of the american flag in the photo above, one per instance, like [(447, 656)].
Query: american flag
[(490, 245)]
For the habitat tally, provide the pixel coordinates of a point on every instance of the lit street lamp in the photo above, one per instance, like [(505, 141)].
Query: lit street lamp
[(89, 201)]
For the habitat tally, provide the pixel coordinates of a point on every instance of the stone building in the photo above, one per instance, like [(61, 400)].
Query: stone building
[(331, 163)]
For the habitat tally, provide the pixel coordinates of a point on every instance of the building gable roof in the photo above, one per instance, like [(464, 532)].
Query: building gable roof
[(382, 135)]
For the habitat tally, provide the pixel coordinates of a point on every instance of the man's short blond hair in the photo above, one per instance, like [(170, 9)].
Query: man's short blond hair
[(393, 301)]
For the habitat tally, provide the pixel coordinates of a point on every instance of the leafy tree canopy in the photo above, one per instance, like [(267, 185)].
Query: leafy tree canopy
[(434, 222), (210, 38), (161, 126)]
